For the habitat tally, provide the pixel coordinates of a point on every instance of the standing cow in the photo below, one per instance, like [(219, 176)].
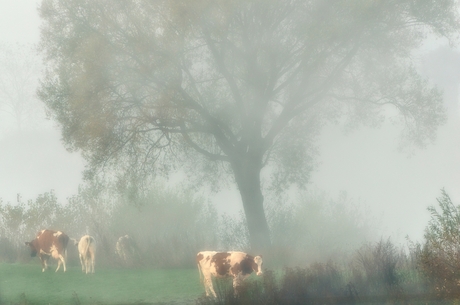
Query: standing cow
[(238, 265), (49, 243), (127, 250), (87, 253)]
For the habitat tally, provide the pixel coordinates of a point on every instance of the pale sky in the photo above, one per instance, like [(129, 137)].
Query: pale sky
[(366, 164), (32, 161), (19, 21)]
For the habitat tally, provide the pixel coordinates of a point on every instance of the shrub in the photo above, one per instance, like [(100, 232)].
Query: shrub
[(316, 229), (170, 226), (373, 276), (439, 257)]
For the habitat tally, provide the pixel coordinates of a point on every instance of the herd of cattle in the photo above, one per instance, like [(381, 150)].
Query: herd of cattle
[(239, 265)]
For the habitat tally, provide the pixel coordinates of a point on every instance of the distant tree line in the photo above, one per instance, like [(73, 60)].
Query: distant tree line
[(170, 226)]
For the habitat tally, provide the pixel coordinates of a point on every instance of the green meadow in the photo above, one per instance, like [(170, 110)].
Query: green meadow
[(26, 284)]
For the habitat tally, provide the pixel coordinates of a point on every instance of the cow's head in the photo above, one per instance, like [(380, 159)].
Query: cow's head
[(33, 250), (258, 264)]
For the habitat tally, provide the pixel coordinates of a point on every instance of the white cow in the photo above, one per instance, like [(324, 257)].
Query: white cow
[(87, 252), (238, 265)]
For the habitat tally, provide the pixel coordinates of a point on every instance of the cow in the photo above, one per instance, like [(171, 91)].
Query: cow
[(238, 265), (87, 253), (49, 243), (127, 250)]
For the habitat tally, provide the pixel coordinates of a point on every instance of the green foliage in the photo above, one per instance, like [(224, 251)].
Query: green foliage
[(440, 254), (443, 230), (233, 232), (169, 225), (375, 267), (21, 221)]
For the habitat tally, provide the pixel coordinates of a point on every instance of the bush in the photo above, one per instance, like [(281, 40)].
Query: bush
[(439, 257), (375, 275), (20, 222), (170, 226), (316, 229)]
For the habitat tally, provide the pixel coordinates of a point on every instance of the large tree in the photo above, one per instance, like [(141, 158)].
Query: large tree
[(233, 86)]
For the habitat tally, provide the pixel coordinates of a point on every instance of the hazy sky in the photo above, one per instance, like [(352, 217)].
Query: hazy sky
[(366, 163), (33, 160)]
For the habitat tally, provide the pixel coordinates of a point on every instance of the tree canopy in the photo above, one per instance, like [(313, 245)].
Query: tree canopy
[(234, 86)]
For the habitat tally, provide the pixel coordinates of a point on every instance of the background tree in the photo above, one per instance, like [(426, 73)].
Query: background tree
[(212, 87), (440, 253), (18, 82)]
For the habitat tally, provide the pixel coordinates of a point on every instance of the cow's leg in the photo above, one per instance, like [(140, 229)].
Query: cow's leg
[(43, 261), (208, 285), (88, 266), (59, 265), (236, 284), (82, 263), (61, 260)]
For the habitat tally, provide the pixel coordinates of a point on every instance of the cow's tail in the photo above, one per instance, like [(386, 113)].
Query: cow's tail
[(65, 240), (89, 241)]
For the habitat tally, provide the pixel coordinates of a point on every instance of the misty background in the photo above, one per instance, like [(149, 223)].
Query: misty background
[(392, 187)]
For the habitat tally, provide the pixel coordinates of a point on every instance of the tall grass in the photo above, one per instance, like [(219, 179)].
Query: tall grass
[(377, 273)]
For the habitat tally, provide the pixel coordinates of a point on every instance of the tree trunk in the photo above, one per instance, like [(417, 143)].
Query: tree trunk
[(247, 176)]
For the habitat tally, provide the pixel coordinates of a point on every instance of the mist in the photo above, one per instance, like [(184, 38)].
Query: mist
[(307, 135), (398, 185), (393, 186)]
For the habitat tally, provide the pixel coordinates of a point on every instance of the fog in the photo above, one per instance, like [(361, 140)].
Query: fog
[(395, 186)]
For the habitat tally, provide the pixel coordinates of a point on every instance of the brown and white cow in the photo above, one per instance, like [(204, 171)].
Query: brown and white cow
[(87, 253), (127, 250), (238, 265), (49, 243)]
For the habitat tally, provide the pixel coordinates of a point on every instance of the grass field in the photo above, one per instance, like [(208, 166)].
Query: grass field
[(26, 284)]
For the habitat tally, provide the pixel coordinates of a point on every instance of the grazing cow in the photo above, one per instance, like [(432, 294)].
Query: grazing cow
[(127, 249), (87, 253), (49, 243), (239, 265)]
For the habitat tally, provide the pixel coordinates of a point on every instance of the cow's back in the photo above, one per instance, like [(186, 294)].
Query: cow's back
[(44, 240), (50, 240), (241, 262), (62, 240)]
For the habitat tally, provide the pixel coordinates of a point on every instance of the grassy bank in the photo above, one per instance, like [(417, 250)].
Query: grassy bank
[(26, 282)]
